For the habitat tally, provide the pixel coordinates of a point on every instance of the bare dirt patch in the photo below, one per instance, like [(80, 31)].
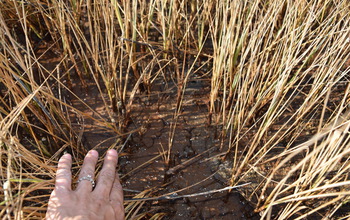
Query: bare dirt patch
[(194, 144), (152, 127)]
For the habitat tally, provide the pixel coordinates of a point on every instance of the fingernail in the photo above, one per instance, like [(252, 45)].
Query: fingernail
[(112, 152), (65, 153), (93, 153), (65, 156)]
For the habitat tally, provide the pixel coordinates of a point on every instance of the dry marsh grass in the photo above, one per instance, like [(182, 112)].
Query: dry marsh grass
[(279, 76)]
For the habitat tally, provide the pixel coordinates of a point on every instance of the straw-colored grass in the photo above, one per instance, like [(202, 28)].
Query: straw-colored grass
[(279, 73)]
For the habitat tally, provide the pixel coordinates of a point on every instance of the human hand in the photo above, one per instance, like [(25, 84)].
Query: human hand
[(103, 202)]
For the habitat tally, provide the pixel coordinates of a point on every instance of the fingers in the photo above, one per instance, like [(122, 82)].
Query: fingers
[(117, 197), (107, 175), (88, 169), (64, 173)]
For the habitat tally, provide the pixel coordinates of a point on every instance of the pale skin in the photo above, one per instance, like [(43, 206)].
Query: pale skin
[(105, 201)]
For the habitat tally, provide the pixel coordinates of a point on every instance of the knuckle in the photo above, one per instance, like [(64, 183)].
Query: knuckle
[(60, 193), (63, 174), (107, 175), (101, 199), (63, 166), (87, 171), (117, 186)]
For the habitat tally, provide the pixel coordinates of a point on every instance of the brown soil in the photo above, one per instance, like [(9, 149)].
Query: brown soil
[(143, 165), (195, 163), (194, 146)]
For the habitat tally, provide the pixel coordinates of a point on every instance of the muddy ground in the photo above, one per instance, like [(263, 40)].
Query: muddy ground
[(196, 162), (195, 159)]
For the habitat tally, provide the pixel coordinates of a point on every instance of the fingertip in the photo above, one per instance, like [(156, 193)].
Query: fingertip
[(112, 152), (93, 153), (65, 156)]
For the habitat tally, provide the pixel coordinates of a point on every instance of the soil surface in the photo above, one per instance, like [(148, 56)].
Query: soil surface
[(195, 163), (194, 154)]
